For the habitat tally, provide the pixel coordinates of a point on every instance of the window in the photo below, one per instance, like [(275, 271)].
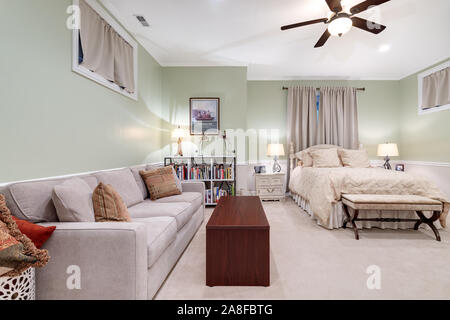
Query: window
[(103, 51), (434, 89)]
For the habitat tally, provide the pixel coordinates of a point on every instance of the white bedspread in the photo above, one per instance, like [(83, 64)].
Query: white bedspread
[(323, 186)]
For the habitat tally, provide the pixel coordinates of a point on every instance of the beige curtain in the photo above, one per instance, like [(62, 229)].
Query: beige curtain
[(123, 64), (105, 52), (338, 117), (436, 89), (301, 119)]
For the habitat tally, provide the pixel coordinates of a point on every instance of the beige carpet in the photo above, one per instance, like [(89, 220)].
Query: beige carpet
[(310, 262)]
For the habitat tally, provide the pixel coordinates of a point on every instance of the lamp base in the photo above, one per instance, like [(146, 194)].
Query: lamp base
[(180, 151), (387, 165), (276, 166)]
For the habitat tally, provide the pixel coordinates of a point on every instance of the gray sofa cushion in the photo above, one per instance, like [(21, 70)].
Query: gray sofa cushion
[(73, 201), (181, 211), (33, 200), (141, 184), (124, 183), (161, 232), (195, 198)]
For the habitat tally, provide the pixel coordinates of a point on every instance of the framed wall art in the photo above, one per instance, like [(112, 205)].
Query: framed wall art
[(204, 116)]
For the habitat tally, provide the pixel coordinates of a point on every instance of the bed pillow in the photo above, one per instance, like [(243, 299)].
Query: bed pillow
[(325, 158), (306, 158), (354, 158)]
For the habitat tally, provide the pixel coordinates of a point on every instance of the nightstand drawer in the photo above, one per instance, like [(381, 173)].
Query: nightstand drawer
[(271, 191), (269, 181)]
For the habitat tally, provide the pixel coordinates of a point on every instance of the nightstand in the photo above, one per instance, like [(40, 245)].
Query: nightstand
[(270, 186)]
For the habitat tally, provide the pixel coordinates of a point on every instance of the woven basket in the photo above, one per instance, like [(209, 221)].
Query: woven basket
[(18, 288)]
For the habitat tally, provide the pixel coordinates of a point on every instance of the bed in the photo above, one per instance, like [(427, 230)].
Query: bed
[(318, 192)]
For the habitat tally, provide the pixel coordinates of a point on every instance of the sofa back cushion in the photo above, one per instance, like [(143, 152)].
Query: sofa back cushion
[(32, 201), (73, 201), (124, 183), (135, 170)]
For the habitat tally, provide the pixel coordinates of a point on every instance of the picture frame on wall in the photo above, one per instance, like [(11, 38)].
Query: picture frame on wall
[(204, 116)]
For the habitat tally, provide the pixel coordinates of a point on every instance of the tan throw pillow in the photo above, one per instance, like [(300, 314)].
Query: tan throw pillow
[(325, 158), (160, 182), (354, 158), (108, 205), (17, 251), (306, 158)]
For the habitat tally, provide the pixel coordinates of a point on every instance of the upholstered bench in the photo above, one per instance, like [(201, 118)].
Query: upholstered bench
[(392, 202)]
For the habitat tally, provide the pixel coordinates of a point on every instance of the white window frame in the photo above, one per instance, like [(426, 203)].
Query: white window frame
[(420, 77), (92, 75)]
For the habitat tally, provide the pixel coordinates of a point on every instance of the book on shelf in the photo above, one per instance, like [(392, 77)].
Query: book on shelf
[(213, 195), (223, 172)]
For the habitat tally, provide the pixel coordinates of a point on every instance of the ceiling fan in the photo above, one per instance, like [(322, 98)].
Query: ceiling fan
[(340, 21)]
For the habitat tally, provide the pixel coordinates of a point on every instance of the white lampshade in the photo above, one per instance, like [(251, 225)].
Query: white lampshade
[(275, 149), (387, 150), (340, 26), (178, 133)]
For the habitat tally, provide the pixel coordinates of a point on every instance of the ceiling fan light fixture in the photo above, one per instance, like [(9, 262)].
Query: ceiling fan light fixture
[(340, 26)]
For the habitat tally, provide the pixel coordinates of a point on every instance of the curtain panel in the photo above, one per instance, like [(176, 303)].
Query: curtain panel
[(338, 117), (436, 89), (105, 52)]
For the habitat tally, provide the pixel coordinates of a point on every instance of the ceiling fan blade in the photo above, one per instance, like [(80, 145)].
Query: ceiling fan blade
[(305, 23), (334, 5), (363, 6), (322, 39), (367, 25)]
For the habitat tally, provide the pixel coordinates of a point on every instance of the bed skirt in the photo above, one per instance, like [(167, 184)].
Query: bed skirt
[(337, 217)]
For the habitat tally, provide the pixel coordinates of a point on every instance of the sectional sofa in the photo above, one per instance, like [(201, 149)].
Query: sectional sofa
[(113, 260)]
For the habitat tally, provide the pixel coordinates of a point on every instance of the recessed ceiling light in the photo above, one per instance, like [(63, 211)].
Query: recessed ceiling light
[(384, 48)]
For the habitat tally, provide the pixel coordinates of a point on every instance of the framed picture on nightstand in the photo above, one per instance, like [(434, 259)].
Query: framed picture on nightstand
[(400, 167)]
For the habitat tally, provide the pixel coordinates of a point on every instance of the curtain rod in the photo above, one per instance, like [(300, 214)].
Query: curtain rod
[(359, 89)]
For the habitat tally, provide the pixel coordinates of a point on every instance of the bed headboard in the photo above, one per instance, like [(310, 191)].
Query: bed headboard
[(292, 158)]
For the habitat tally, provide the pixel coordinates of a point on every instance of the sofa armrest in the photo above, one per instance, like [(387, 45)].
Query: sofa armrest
[(194, 186), (111, 256)]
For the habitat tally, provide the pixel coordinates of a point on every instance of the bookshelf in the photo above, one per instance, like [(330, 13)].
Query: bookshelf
[(217, 172)]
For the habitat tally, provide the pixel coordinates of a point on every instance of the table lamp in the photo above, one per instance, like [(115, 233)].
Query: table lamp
[(179, 134), (387, 150), (275, 150)]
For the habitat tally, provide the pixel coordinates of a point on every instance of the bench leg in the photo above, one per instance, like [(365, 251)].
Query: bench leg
[(429, 222), (352, 220)]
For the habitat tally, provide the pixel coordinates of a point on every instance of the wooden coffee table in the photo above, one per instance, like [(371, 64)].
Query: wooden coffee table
[(237, 244)]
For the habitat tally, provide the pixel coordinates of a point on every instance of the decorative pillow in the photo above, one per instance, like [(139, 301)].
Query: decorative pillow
[(73, 201), (38, 234), (161, 182), (108, 205), (17, 251), (354, 158), (325, 158)]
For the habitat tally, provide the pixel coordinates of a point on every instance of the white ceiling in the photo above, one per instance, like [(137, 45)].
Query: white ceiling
[(247, 33)]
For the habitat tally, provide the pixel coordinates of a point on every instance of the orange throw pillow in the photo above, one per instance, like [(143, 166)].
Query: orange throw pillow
[(38, 234), (108, 205), (160, 182)]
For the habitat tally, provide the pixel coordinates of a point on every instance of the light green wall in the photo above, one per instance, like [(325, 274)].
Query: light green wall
[(53, 121), (423, 137), (377, 108), (181, 83)]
